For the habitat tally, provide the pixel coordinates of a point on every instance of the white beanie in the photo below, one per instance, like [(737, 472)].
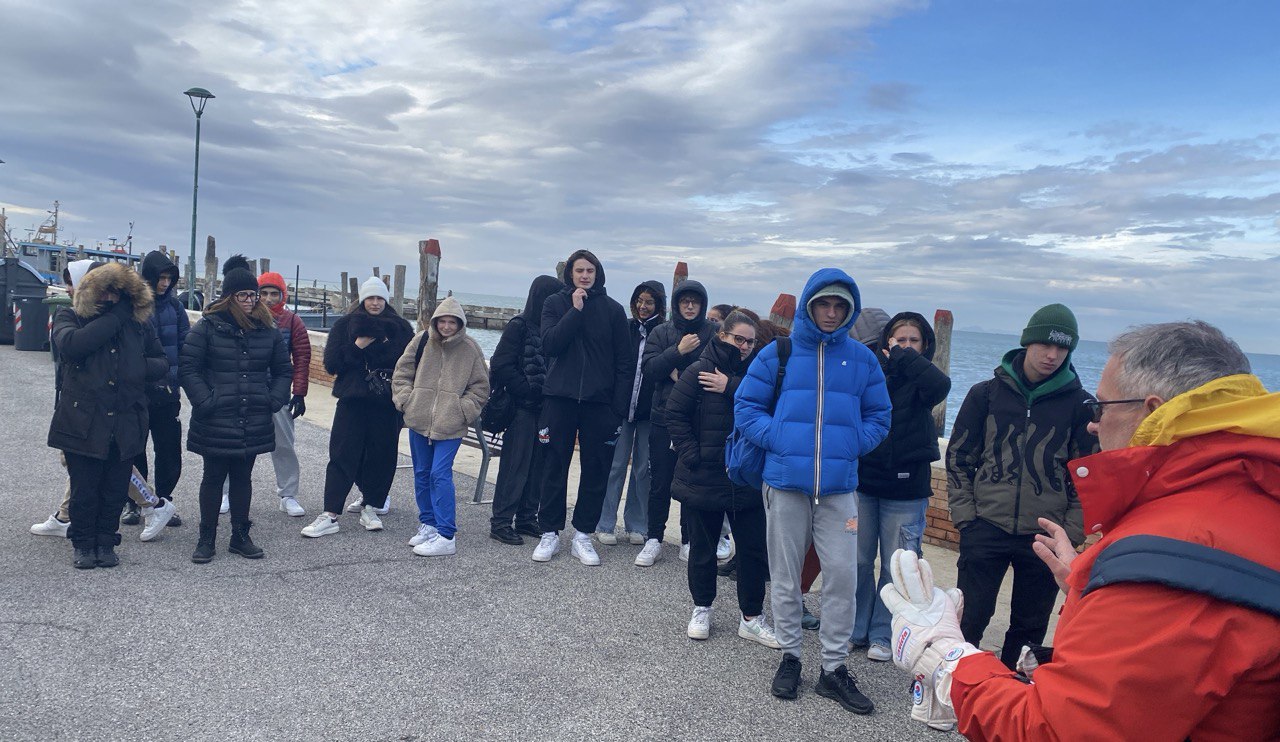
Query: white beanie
[(77, 270), (374, 287)]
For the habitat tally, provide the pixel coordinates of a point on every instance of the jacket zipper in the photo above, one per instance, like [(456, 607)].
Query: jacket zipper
[(817, 428), (1017, 493)]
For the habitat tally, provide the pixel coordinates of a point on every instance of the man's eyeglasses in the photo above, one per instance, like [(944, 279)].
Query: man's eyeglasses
[(740, 341), (1096, 407), (245, 296)]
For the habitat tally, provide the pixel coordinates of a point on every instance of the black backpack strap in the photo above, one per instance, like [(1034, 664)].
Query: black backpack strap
[(422, 343), (1188, 566), (784, 355)]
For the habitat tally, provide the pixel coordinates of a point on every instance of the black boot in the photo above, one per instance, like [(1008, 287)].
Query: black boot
[(106, 554), (204, 549), (131, 515), (86, 557), (241, 543)]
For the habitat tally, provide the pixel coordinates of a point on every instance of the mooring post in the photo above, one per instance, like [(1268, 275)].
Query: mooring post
[(210, 272), (265, 264), (353, 288), (253, 267), (560, 271), (397, 292), (681, 275), (783, 313), (428, 281), (942, 323), (342, 289)]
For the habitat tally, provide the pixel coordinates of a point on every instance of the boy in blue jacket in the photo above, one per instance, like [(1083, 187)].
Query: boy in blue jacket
[(832, 407)]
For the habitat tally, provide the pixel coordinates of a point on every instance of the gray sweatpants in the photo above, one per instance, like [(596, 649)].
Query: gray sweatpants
[(283, 459), (794, 521)]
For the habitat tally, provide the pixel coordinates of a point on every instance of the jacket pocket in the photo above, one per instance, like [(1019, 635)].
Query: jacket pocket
[(73, 417)]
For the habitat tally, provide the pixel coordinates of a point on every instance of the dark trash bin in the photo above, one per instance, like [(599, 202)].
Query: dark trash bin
[(55, 302), (30, 323), (17, 279)]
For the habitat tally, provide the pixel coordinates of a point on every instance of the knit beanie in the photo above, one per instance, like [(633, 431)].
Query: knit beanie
[(374, 286), (1053, 325), (271, 278), (838, 290), (237, 277)]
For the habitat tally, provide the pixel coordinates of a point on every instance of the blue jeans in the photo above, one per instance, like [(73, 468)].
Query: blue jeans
[(433, 481), (632, 448), (884, 526)]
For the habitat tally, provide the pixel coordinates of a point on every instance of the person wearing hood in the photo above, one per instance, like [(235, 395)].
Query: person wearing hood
[(671, 348), (274, 293), (518, 367), (894, 479), (590, 361), (108, 355), (171, 325), (361, 352), (648, 310), (831, 408), (700, 418), (235, 370), (1007, 467), (440, 384)]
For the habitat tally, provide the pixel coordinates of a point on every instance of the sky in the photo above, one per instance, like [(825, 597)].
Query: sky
[(986, 156)]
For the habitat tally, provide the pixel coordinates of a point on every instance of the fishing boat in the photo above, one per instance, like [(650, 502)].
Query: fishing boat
[(43, 252)]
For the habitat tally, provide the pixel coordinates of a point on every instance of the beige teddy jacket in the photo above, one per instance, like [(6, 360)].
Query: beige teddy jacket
[(442, 396)]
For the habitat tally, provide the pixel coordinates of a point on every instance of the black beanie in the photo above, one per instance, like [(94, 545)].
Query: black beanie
[(237, 277)]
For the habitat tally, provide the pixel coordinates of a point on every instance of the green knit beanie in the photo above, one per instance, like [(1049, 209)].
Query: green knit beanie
[(1053, 325)]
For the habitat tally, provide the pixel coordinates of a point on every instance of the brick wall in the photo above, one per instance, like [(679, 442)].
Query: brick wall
[(317, 373), (938, 529)]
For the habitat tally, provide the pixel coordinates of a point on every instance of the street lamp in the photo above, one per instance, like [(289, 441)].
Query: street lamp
[(198, 97)]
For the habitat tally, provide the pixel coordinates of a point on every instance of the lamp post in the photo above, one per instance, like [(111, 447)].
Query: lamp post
[(198, 97)]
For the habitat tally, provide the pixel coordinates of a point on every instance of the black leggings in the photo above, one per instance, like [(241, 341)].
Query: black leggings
[(753, 556), (216, 471)]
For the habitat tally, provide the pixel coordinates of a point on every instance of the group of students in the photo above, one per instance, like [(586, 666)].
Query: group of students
[(654, 395)]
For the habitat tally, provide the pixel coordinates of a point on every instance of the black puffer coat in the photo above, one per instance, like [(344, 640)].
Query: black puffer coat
[(588, 353), (661, 353), (898, 469), (107, 357), (517, 363), (699, 422), (351, 364), (641, 383), (235, 380), (170, 323)]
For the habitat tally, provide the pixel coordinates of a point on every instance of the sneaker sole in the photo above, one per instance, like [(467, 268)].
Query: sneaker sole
[(587, 561), (825, 693), (696, 637), (258, 555), (202, 560), (786, 695), (321, 534), (753, 638), (377, 527), (546, 558), (510, 542)]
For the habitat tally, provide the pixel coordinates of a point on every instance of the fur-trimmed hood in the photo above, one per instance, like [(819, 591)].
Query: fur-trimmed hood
[(88, 299)]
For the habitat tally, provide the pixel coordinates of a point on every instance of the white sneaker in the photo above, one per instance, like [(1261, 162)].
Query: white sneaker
[(700, 623), (226, 505), (878, 653), (608, 538), (724, 549), (636, 538), (290, 505), (547, 547), (155, 519), (758, 631), (650, 553), (369, 519), (584, 551), (358, 505), (424, 534), (51, 527), (684, 552), (436, 546), (323, 525)]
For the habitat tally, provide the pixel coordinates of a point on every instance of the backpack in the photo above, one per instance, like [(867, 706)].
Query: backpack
[(744, 460)]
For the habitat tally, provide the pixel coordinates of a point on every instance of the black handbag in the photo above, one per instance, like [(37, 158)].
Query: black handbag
[(498, 412), (379, 381)]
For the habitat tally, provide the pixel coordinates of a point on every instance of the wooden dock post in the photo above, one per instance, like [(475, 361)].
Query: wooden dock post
[(353, 288), (397, 291), (783, 313), (253, 267), (428, 281), (377, 272), (681, 275), (560, 270), (342, 289), (265, 264), (210, 272), (942, 323)]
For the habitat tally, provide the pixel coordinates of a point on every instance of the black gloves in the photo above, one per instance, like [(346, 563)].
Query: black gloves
[(297, 407)]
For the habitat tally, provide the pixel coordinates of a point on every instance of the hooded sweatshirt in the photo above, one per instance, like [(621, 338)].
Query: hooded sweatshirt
[(642, 384), (293, 331), (662, 356), (588, 351), (517, 363), (899, 468), (442, 394), (169, 320)]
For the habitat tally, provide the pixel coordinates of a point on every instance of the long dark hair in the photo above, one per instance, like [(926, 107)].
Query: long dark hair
[(260, 316)]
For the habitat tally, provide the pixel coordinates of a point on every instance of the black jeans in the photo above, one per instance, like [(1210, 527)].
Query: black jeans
[(594, 426), (515, 497), (216, 471), (166, 438), (99, 489), (753, 556), (986, 552), (363, 450), (662, 468)]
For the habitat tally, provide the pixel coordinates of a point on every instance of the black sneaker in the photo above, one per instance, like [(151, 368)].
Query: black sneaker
[(529, 529), (85, 558), (131, 515), (507, 535), (107, 557), (729, 567), (808, 621), (174, 521), (786, 681), (839, 687)]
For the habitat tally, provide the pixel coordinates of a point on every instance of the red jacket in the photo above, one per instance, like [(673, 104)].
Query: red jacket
[(294, 332), (1143, 661)]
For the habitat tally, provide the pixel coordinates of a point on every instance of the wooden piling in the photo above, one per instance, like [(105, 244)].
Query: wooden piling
[(942, 323), (353, 288), (428, 280), (253, 266), (265, 264), (210, 271), (783, 313), (377, 272), (342, 289), (560, 270), (681, 275), (397, 292)]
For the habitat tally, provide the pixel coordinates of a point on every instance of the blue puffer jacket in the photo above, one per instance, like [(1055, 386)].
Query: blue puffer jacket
[(170, 322), (833, 408)]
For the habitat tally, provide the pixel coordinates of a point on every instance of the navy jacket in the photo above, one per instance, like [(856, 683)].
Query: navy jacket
[(170, 322)]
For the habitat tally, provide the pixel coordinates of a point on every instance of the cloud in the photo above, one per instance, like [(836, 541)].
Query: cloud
[(897, 97)]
